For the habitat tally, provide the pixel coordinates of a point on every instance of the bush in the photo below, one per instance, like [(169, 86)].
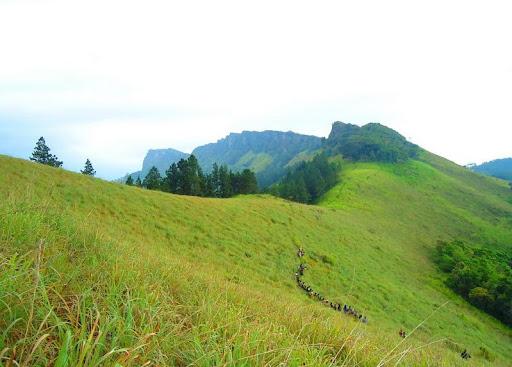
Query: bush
[(481, 275)]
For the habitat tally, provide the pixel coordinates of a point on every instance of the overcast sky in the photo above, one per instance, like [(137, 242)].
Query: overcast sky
[(107, 80)]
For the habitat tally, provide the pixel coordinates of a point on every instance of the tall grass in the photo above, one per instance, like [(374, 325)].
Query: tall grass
[(98, 274)]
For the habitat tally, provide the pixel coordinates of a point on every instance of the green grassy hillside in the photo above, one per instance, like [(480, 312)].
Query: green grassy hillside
[(95, 273)]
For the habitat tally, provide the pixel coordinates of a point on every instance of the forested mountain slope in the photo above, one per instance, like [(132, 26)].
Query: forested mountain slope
[(267, 153)]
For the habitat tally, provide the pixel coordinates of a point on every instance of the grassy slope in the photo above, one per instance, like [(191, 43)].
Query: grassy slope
[(147, 276)]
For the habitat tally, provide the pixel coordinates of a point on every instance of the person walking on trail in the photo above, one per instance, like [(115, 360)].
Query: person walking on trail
[(300, 253), (465, 355), (302, 267)]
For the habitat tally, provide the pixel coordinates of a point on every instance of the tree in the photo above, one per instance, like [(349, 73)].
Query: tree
[(186, 178), (225, 188), (193, 177), (152, 181), (480, 274), (42, 154), (308, 181), (138, 182), (244, 182), (129, 180), (214, 181), (88, 169), (171, 179)]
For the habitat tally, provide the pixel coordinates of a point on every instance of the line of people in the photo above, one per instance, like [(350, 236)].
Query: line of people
[(348, 310)]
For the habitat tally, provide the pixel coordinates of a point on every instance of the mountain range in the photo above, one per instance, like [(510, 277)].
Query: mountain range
[(270, 154), (267, 153)]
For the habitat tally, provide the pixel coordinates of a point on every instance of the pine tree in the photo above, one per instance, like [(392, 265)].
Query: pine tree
[(138, 182), (129, 180), (88, 169), (194, 176), (226, 189), (183, 185), (171, 179), (153, 179), (214, 181), (42, 154), (247, 183)]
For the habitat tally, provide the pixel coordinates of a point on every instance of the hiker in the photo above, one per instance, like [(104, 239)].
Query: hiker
[(300, 253), (302, 267), (345, 308), (465, 355)]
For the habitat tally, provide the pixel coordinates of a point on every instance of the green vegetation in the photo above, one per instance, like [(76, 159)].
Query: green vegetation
[(98, 273), (187, 178), (153, 180), (88, 169), (159, 158), (129, 181), (481, 275), (372, 142), (306, 182), (42, 154), (266, 153), (501, 168), (138, 182)]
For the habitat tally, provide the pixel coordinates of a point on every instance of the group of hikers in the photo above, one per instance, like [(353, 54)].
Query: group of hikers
[(348, 310)]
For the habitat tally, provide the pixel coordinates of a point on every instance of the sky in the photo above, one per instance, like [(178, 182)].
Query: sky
[(108, 80)]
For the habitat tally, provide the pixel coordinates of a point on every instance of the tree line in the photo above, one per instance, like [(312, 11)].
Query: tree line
[(187, 178), (41, 154), (307, 181), (483, 276)]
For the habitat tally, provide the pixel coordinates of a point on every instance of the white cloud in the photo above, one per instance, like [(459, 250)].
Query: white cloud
[(124, 76)]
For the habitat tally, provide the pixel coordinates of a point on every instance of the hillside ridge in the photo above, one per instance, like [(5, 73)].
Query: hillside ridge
[(366, 245)]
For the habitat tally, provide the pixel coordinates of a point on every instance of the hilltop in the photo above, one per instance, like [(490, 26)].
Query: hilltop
[(141, 276)]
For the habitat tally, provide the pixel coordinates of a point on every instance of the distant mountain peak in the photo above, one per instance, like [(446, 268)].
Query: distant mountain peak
[(370, 142)]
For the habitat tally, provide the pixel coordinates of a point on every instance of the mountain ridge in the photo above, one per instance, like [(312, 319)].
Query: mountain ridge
[(247, 149), (499, 168), (271, 153)]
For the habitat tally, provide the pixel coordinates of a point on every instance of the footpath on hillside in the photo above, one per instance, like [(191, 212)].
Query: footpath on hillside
[(347, 310)]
